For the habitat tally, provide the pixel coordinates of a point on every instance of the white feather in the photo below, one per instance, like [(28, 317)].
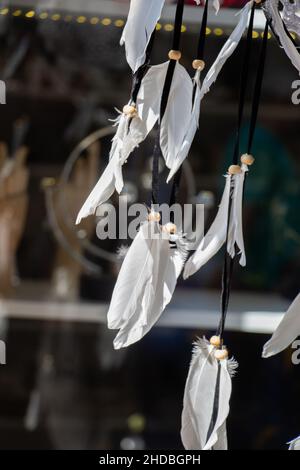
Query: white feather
[(127, 138), (227, 50), (215, 237), (294, 444), (193, 122), (137, 269), (142, 18), (287, 331), (291, 51), (177, 115), (190, 131), (154, 297), (235, 235), (199, 401)]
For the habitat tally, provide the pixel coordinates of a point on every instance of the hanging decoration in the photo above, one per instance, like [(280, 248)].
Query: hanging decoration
[(208, 386), (164, 96), (227, 228)]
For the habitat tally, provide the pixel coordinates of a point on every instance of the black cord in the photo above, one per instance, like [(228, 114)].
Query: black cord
[(228, 261), (157, 153)]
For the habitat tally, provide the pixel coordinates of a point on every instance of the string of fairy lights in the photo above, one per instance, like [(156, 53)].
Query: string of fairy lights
[(99, 21)]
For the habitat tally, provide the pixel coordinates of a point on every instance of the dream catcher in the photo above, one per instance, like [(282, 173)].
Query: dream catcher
[(164, 97)]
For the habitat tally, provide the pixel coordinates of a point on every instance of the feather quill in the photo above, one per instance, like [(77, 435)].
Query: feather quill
[(197, 431), (142, 18), (287, 331)]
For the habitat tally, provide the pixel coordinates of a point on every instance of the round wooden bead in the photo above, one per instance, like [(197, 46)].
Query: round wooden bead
[(247, 159), (234, 169), (198, 64), (215, 341), (170, 228), (129, 110), (221, 354), (174, 55), (154, 216)]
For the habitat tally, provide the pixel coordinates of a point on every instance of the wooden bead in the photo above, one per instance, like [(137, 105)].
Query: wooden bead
[(198, 64), (247, 159), (215, 341), (154, 216), (174, 55), (234, 169), (130, 110), (221, 354), (170, 228)]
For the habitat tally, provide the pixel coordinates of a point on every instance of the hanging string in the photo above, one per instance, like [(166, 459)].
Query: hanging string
[(258, 88), (157, 153), (199, 56), (228, 261), (243, 86)]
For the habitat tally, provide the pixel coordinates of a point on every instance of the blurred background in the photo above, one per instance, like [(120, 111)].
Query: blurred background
[(63, 386)]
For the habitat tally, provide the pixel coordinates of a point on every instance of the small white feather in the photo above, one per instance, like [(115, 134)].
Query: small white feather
[(199, 401), (190, 131), (177, 116), (215, 237), (287, 331), (227, 50), (142, 18), (235, 235), (294, 444)]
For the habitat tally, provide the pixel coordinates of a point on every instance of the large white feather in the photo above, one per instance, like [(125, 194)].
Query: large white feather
[(155, 296), (136, 271), (212, 75), (142, 18), (177, 116), (215, 237), (287, 331), (272, 8), (190, 130), (227, 50), (199, 400)]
